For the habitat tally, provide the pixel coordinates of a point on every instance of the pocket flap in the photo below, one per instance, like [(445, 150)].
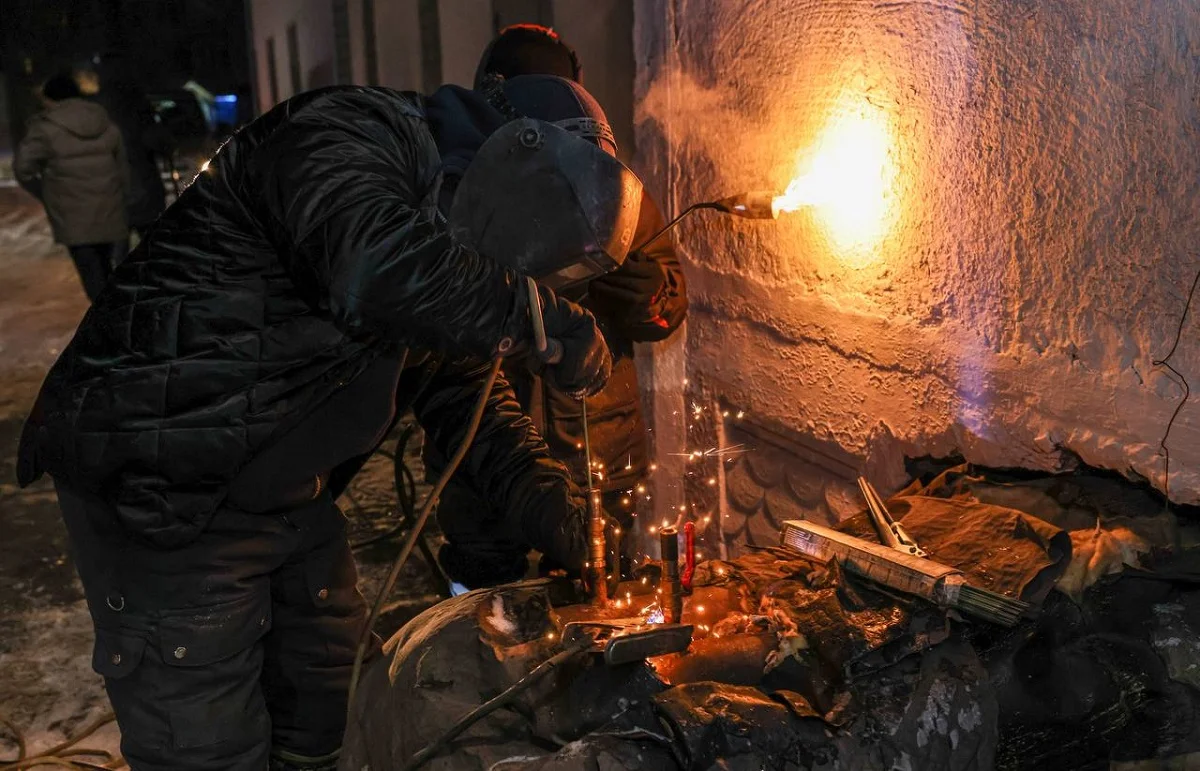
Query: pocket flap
[(116, 652), (200, 636)]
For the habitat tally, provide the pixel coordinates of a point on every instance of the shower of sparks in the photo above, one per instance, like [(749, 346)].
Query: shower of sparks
[(713, 452), (653, 614)]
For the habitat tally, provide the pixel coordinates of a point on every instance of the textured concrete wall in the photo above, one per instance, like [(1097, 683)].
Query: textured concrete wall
[(1029, 225), (314, 37)]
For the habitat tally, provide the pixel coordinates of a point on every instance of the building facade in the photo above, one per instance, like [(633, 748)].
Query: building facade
[(419, 44)]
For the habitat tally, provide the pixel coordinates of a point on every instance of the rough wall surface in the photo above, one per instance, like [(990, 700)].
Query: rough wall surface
[(1026, 238)]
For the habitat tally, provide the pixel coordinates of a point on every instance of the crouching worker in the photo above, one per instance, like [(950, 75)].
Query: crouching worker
[(644, 300), (306, 288)]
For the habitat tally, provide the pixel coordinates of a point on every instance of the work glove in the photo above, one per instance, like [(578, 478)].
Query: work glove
[(586, 361), (632, 288)]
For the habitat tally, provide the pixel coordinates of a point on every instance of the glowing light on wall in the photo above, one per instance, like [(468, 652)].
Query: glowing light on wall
[(848, 178)]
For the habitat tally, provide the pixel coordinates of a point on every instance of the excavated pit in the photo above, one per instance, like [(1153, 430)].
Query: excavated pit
[(800, 665)]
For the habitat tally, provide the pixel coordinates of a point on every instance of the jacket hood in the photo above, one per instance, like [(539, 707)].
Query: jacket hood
[(79, 117), (460, 120)]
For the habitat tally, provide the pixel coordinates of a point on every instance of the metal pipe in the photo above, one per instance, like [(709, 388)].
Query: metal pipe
[(670, 590)]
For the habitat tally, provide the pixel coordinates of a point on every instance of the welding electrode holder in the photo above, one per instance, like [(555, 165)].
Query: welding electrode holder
[(595, 573), (670, 589)]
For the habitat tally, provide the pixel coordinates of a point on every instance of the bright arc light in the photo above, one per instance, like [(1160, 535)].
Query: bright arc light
[(847, 177)]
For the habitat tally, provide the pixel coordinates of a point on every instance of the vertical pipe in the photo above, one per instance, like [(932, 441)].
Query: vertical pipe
[(670, 591)]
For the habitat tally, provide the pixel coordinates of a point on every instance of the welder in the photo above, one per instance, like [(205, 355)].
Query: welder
[(306, 287), (644, 300)]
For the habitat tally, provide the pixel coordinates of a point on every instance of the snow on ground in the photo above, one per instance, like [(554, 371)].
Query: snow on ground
[(47, 687)]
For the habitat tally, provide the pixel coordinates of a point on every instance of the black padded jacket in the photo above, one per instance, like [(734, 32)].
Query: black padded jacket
[(308, 248)]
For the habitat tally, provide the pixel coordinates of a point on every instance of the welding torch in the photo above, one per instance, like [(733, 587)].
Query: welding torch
[(753, 205)]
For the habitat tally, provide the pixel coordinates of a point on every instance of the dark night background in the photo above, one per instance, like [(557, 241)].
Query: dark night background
[(158, 45)]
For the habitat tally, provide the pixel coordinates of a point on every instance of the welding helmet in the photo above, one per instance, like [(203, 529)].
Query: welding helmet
[(545, 194)]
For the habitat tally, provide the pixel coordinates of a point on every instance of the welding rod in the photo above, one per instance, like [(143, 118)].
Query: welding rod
[(596, 572)]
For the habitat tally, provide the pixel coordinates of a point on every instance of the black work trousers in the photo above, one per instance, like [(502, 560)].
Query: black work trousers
[(95, 262), (237, 646)]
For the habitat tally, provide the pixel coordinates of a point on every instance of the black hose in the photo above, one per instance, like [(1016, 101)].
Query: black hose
[(419, 525), (406, 494)]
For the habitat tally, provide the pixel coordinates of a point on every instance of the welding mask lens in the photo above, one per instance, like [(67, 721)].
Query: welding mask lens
[(545, 202)]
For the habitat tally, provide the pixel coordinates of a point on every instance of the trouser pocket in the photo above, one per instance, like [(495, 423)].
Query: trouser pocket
[(185, 686)]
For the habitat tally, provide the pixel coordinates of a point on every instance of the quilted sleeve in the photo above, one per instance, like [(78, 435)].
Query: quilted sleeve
[(346, 183)]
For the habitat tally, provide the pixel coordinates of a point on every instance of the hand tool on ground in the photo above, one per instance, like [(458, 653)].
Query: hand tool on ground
[(890, 531), (629, 640)]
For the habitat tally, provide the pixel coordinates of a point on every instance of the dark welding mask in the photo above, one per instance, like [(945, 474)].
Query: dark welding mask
[(544, 198)]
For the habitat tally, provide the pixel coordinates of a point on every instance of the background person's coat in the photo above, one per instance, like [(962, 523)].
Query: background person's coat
[(73, 160)]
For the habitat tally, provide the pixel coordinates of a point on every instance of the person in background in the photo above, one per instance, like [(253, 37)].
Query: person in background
[(645, 300), (73, 160), (146, 140)]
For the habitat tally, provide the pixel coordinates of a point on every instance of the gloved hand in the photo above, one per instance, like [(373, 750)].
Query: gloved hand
[(586, 363), (630, 288)]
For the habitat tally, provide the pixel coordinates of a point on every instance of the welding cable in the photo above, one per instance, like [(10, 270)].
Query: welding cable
[(64, 754), (505, 698), (1187, 392), (406, 496), (468, 438)]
